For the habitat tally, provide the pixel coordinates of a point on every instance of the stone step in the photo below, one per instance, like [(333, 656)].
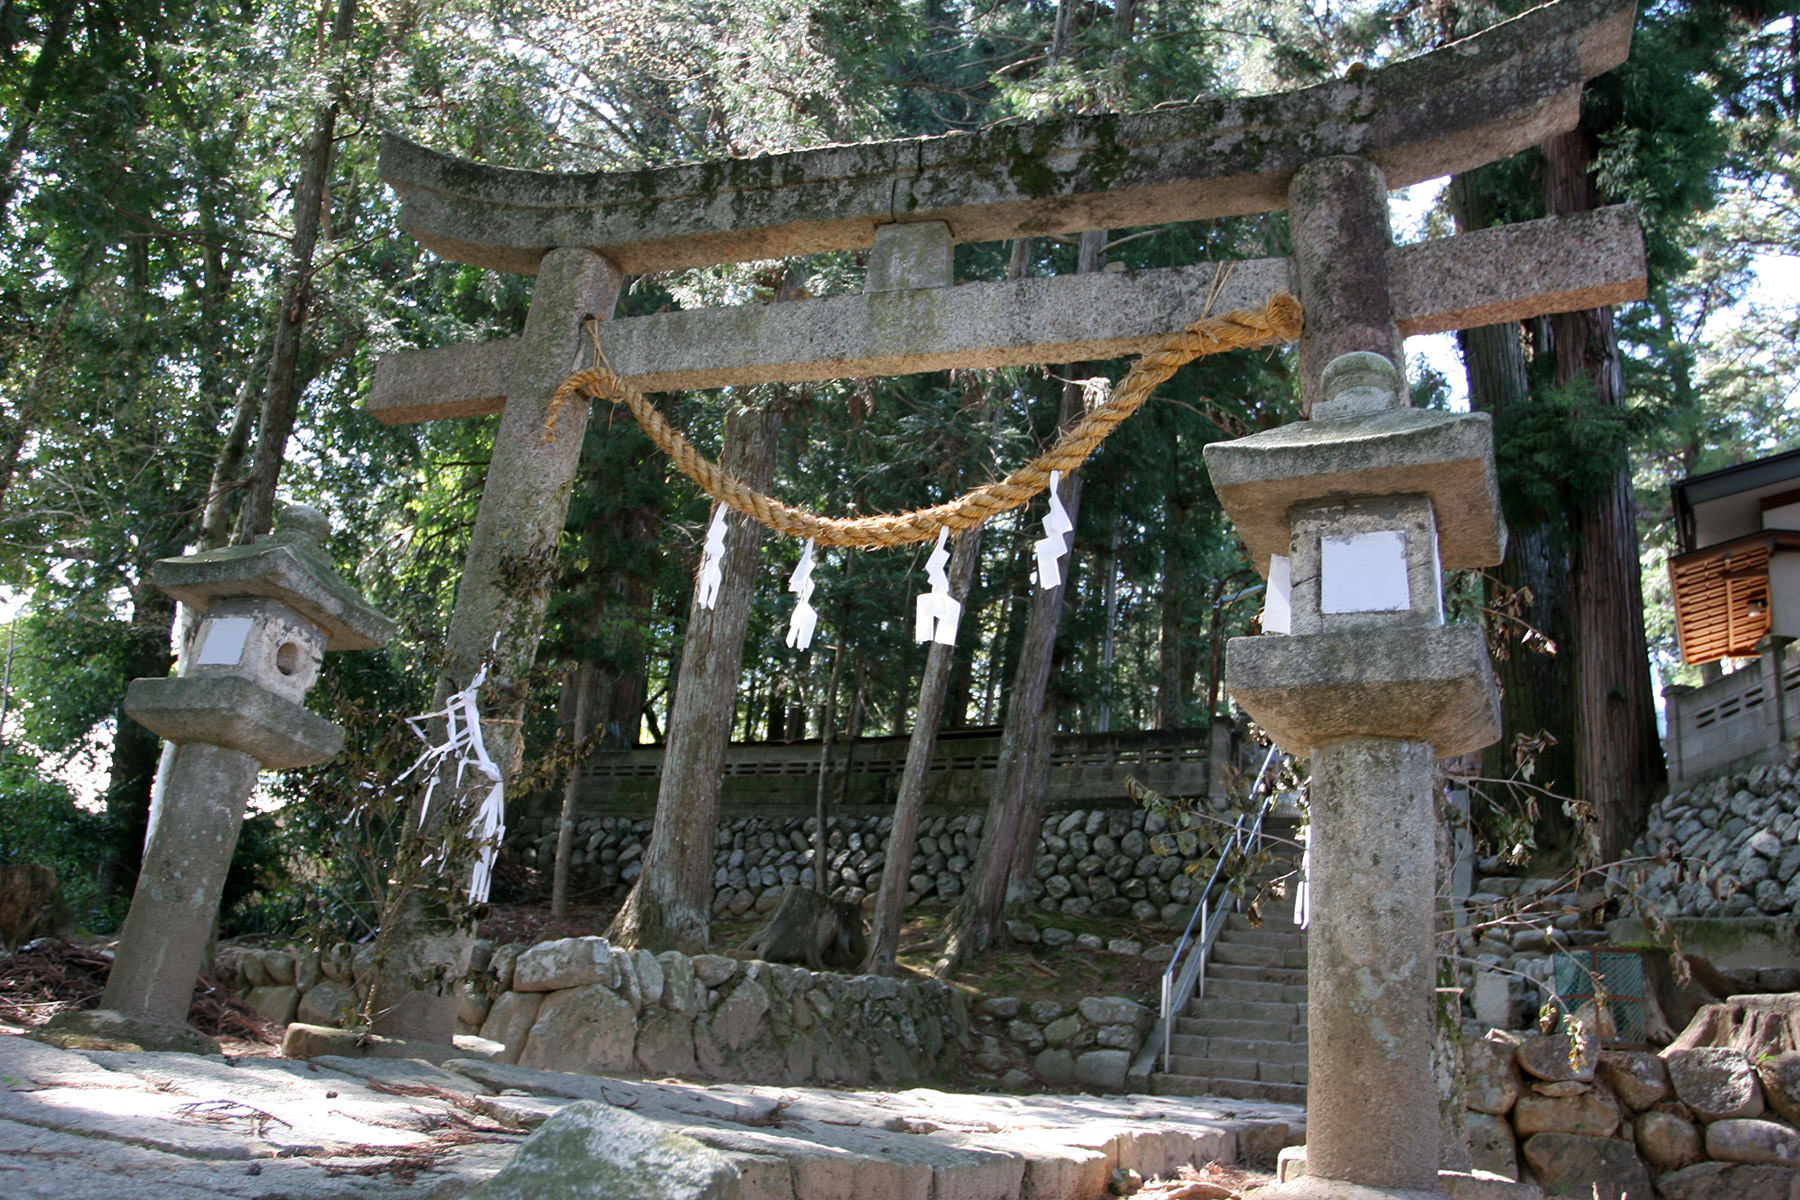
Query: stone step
[(1274, 920), (1227, 1089), (1216, 971), (1199, 1066), (1284, 939), (1253, 1031), (1255, 1010), (1258, 956), (1224, 1049), (1255, 989), (1237, 1070)]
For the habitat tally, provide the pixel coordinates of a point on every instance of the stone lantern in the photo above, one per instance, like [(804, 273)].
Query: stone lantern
[(267, 613), (1361, 507)]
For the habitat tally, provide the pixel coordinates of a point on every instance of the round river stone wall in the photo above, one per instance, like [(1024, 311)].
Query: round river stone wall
[(1088, 862)]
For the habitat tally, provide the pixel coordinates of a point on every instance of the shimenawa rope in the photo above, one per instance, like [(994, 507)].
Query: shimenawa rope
[(1279, 320)]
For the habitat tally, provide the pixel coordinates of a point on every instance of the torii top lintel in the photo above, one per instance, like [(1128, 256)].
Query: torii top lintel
[(1472, 102)]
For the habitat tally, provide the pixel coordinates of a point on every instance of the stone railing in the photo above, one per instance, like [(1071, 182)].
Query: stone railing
[(1085, 768), (1730, 719)]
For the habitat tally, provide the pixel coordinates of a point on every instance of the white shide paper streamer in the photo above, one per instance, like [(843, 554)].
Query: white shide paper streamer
[(1052, 546), (938, 611), (464, 745), (712, 574), (805, 618)]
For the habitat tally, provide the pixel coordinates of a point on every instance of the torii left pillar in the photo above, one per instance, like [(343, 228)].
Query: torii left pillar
[(501, 599)]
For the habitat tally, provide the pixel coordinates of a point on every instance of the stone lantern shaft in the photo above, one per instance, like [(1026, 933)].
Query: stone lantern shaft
[(1367, 501)]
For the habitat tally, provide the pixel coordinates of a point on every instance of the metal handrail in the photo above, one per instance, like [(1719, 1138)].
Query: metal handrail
[(1193, 971)]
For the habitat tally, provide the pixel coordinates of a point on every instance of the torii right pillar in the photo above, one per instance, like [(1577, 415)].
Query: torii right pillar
[(1360, 506)]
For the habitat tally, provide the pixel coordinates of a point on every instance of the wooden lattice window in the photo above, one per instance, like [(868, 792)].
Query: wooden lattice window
[(1722, 604)]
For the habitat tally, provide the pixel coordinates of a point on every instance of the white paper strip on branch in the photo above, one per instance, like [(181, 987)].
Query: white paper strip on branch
[(1054, 544), (712, 557), (463, 743), (938, 611), (805, 618)]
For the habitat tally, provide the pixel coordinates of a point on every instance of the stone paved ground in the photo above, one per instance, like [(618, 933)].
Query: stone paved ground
[(76, 1125)]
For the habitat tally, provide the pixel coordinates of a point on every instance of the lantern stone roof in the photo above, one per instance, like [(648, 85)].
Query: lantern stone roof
[(1398, 451), (288, 566)]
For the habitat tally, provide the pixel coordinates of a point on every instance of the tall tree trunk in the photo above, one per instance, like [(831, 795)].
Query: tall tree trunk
[(585, 681), (215, 520), (281, 391), (670, 907), (19, 429), (853, 727), (1108, 637), (909, 804), (1172, 658), (1537, 694), (1619, 765), (975, 924), (136, 751), (821, 783), (1023, 871)]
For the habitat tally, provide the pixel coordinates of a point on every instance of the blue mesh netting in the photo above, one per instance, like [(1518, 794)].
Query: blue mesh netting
[(1605, 988)]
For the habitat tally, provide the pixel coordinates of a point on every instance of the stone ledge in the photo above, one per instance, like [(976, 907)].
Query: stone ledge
[(1433, 684), (1446, 456), (232, 712)]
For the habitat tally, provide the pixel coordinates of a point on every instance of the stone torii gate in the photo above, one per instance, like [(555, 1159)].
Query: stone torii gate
[(1329, 154)]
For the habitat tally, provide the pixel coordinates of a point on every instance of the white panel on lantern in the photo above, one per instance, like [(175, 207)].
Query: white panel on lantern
[(1278, 610), (1364, 572), (222, 642)]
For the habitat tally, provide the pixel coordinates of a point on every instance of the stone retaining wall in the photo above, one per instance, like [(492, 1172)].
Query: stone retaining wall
[(1508, 964), (1730, 887), (579, 1004), (1089, 861), (1699, 1124), (1734, 838)]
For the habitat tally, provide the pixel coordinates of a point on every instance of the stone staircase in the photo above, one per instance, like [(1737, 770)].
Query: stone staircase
[(1246, 1039)]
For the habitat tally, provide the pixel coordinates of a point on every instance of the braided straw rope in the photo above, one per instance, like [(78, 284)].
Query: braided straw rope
[(1277, 321)]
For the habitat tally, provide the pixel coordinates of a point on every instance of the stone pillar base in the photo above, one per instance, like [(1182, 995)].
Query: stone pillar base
[(1309, 1187), (104, 1029)]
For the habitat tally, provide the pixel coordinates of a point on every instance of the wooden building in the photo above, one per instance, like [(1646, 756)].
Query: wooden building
[(1736, 584)]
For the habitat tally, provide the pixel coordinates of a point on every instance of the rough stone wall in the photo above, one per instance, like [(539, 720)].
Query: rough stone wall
[(1508, 963), (1735, 845), (1732, 843), (1695, 1124), (579, 1004), (1089, 861)]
